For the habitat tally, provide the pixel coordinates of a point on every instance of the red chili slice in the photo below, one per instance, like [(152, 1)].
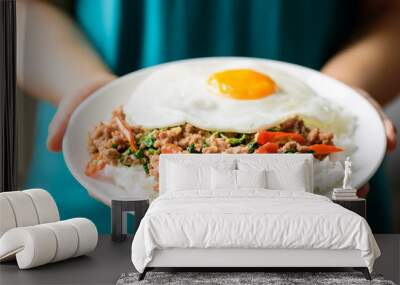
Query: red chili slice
[(262, 137), (127, 132), (268, 148), (324, 148)]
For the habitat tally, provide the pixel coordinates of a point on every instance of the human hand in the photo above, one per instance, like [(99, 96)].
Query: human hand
[(390, 128), (391, 134), (65, 109)]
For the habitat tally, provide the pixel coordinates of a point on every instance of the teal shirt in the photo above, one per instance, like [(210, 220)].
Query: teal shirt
[(131, 34), (134, 34)]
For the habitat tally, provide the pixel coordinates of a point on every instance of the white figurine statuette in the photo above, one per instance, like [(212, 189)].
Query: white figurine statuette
[(347, 174), (347, 192)]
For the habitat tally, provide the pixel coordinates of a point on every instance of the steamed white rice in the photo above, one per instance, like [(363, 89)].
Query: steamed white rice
[(328, 174)]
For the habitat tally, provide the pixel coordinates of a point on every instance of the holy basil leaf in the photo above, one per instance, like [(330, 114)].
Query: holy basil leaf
[(192, 149), (149, 140), (146, 167), (139, 153), (252, 146), (274, 129)]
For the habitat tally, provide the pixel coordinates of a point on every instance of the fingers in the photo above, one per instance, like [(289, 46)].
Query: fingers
[(391, 133), (65, 109), (390, 129), (59, 123), (363, 191)]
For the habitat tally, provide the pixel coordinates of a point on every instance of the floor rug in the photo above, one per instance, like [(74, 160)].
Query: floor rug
[(244, 278)]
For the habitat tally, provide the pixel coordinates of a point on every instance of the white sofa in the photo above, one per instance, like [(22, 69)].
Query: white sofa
[(31, 231)]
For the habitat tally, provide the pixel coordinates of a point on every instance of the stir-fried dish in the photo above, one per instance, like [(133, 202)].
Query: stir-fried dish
[(118, 143)]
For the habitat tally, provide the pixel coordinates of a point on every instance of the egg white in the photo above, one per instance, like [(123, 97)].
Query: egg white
[(179, 93)]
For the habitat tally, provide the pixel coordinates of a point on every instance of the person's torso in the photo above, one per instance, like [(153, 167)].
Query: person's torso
[(130, 34), (134, 34)]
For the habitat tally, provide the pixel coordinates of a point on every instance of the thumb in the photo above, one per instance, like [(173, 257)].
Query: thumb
[(390, 128), (65, 109), (59, 124), (363, 191), (391, 133)]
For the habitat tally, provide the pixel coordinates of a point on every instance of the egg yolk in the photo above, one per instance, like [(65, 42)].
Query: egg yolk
[(243, 84)]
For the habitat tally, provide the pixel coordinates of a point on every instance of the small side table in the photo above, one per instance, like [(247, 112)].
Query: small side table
[(358, 206), (119, 211)]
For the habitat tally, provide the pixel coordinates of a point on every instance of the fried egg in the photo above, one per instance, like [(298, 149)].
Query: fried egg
[(237, 96)]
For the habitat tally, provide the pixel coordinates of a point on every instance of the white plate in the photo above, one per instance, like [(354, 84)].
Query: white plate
[(369, 135)]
